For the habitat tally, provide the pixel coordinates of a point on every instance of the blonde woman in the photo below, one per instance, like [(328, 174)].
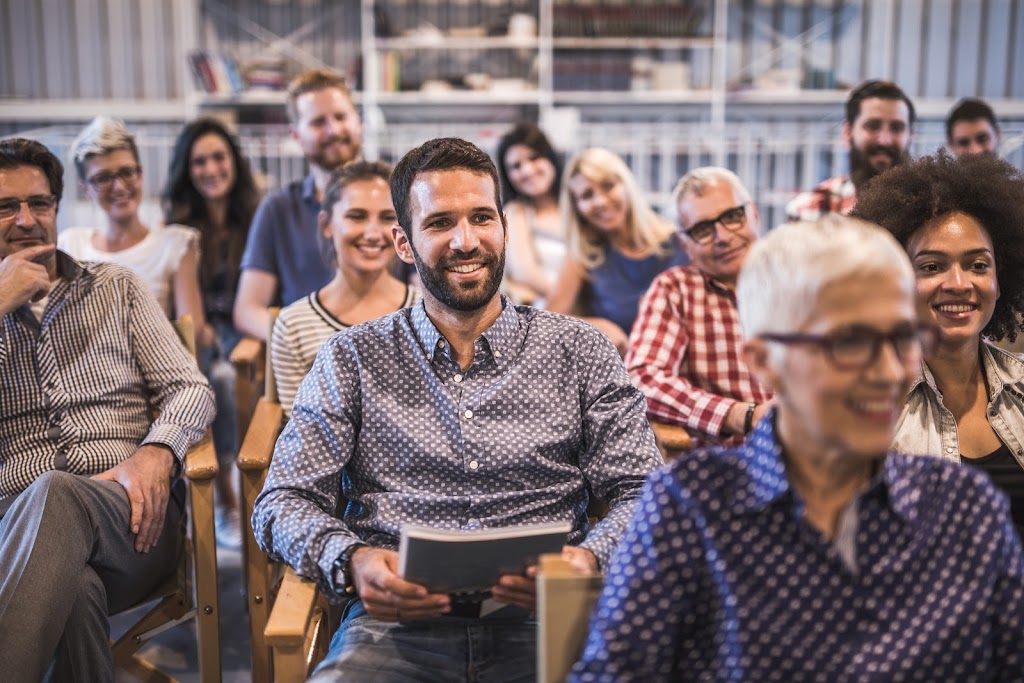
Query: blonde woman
[(617, 244)]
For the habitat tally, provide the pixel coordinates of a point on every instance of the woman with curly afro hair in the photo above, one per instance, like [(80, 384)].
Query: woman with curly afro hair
[(961, 221)]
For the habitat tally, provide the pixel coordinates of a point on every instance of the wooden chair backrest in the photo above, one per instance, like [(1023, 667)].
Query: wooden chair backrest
[(672, 440), (186, 329), (565, 600), (270, 385)]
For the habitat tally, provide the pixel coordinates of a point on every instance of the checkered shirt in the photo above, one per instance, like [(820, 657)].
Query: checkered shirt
[(684, 354), (834, 194)]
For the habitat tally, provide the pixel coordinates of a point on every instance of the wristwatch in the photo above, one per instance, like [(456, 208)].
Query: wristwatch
[(748, 419), (343, 579)]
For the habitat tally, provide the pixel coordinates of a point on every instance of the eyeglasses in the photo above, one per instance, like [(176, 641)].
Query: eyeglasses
[(731, 219), (39, 205), (857, 347), (103, 180)]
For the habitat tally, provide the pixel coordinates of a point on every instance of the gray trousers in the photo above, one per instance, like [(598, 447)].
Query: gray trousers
[(67, 560)]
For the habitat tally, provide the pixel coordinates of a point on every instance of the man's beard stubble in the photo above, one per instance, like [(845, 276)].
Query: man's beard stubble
[(435, 281), (332, 162), (861, 169)]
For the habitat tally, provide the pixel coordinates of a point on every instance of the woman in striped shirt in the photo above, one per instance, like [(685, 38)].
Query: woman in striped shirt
[(355, 224)]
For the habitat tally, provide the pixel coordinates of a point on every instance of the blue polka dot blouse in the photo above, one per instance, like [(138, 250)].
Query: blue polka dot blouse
[(719, 577)]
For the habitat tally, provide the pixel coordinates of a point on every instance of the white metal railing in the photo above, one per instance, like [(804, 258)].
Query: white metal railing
[(775, 160)]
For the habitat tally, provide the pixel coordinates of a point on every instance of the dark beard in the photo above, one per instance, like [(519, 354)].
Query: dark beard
[(861, 170), (435, 281)]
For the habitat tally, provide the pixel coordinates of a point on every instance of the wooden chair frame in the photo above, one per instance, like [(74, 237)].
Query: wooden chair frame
[(262, 427), (192, 591), (672, 440), (565, 599)]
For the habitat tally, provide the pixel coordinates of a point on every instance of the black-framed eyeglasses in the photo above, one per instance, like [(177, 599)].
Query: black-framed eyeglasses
[(104, 179), (731, 219), (857, 347), (39, 205)]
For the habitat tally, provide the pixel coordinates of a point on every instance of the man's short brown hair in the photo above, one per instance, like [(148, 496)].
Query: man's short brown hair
[(311, 81)]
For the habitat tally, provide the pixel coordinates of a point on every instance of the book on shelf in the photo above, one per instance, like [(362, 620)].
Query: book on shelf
[(470, 562), (215, 73)]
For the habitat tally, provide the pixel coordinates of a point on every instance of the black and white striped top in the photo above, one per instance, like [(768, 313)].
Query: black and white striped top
[(299, 332), (80, 387)]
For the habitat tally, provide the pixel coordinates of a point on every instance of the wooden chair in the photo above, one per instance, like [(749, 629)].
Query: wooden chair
[(299, 628), (249, 358), (191, 592), (565, 600), (262, 576), (672, 440)]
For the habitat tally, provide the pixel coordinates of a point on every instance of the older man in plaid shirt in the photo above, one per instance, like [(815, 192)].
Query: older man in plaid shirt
[(684, 352)]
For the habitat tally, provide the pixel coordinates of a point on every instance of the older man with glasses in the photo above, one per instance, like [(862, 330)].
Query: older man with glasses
[(90, 512), (684, 352)]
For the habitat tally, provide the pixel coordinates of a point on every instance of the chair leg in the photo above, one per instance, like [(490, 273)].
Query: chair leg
[(207, 603), (169, 609), (257, 581), (146, 672)]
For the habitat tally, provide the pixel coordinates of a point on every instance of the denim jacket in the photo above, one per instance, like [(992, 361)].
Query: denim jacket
[(927, 427)]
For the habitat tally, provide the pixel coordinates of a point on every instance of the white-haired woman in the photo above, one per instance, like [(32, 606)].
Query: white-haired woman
[(165, 257), (617, 244), (811, 552)]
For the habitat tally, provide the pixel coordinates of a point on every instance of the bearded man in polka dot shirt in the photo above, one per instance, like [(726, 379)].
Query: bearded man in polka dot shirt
[(463, 412)]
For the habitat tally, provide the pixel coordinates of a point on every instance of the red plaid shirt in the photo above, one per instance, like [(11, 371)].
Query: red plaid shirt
[(834, 194), (684, 354)]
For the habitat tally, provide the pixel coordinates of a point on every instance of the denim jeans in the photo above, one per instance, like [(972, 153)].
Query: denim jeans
[(431, 651), (221, 374)]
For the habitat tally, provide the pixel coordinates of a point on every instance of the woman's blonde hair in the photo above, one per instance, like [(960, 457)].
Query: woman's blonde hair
[(589, 245)]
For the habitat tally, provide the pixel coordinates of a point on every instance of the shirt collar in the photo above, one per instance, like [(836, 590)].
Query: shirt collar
[(762, 453), (1003, 372), (502, 337), (903, 496), (68, 268), (712, 283), (766, 468), (309, 190)]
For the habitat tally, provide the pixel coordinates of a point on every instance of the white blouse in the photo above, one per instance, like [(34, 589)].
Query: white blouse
[(155, 259)]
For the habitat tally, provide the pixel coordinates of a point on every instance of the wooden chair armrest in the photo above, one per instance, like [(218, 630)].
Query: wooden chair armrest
[(264, 428), (247, 357), (201, 460), (293, 610), (671, 437)]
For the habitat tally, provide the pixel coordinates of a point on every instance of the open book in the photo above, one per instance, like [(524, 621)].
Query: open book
[(458, 562)]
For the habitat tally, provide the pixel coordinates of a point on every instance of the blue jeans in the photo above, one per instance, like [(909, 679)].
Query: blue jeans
[(431, 651), (220, 373)]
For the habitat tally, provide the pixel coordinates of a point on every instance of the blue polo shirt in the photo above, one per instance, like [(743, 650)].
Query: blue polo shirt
[(284, 240)]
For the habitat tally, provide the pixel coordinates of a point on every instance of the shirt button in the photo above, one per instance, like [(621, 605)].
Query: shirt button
[(473, 465), (457, 378), (53, 433), (440, 343), (949, 449), (497, 354), (468, 414)]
